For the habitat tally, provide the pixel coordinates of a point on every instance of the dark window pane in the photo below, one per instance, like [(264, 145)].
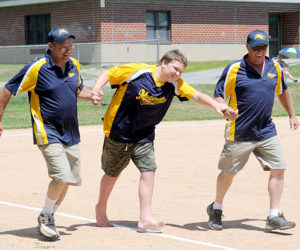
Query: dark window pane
[(37, 28), (151, 33), (150, 18), (158, 25), (162, 19)]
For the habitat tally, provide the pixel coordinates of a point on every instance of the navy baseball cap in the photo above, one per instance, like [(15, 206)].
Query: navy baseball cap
[(59, 34), (257, 37)]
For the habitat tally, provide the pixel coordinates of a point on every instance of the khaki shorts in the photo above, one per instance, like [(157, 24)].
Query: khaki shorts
[(236, 154), (63, 162), (116, 156)]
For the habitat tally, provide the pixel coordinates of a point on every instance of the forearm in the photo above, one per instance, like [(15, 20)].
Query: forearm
[(85, 94), (101, 81), (205, 100)]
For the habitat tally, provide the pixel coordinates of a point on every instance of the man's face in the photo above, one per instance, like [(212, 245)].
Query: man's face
[(172, 71), (257, 55), (61, 52)]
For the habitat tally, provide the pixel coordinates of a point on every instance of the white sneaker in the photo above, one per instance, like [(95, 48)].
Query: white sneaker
[(47, 226)]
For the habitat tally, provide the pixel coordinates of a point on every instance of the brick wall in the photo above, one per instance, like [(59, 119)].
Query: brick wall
[(290, 28), (191, 22)]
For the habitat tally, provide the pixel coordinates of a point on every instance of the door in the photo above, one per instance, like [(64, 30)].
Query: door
[(274, 33)]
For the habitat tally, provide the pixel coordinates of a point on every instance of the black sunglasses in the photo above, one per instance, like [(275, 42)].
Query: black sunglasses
[(260, 48)]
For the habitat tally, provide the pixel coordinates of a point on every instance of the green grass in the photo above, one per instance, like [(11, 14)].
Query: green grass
[(295, 71), (17, 112), (199, 66), (7, 71)]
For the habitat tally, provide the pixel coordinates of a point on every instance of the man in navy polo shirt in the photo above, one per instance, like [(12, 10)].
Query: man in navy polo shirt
[(251, 84), (53, 83)]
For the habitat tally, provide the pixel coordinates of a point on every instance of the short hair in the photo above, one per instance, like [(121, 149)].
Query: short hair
[(174, 55)]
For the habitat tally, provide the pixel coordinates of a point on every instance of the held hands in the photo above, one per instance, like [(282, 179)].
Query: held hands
[(226, 111), (97, 96)]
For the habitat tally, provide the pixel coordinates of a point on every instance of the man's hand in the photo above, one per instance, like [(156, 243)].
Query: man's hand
[(97, 96), (228, 112), (294, 123)]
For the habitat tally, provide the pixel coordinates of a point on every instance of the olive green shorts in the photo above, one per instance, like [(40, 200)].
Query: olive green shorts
[(116, 156), (235, 155), (63, 162)]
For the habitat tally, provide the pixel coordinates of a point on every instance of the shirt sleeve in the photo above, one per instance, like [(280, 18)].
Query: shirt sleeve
[(80, 81), (183, 90), (226, 84), (281, 85), (219, 90), (26, 78), (120, 74), (13, 84)]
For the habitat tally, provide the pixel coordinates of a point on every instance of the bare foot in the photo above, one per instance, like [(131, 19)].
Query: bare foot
[(150, 225), (101, 218)]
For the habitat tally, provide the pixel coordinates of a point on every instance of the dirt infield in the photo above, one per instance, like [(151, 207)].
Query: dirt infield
[(187, 155)]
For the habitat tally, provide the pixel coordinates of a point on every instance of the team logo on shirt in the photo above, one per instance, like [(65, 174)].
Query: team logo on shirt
[(145, 99), (270, 75), (71, 74)]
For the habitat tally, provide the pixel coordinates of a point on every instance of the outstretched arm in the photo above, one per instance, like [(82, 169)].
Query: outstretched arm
[(5, 96), (286, 101), (220, 107), (97, 94)]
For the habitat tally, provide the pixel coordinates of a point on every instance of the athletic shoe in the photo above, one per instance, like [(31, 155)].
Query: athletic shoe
[(279, 222), (215, 218), (47, 226)]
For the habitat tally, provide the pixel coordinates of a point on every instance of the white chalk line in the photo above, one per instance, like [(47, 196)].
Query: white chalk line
[(168, 236)]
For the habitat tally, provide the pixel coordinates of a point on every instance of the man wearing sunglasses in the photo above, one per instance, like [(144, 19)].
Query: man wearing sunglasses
[(250, 85)]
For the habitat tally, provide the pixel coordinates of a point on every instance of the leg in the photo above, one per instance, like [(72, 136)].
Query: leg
[(223, 184), (146, 185), (214, 212), (106, 186), (62, 195), (275, 187), (57, 190)]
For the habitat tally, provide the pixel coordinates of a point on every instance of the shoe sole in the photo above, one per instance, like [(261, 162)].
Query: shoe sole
[(270, 227), (46, 234)]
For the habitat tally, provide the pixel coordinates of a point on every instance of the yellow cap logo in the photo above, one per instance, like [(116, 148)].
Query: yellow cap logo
[(260, 36), (61, 31)]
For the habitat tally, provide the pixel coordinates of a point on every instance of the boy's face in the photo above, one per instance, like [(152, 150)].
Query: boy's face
[(172, 71)]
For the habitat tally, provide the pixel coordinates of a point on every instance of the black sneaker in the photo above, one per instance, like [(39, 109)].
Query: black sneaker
[(279, 222), (215, 218), (47, 226)]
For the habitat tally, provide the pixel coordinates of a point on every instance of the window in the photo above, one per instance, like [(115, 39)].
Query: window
[(158, 25), (37, 28)]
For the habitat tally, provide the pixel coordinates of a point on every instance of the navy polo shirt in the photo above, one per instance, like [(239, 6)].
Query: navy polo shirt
[(253, 95), (53, 99)]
